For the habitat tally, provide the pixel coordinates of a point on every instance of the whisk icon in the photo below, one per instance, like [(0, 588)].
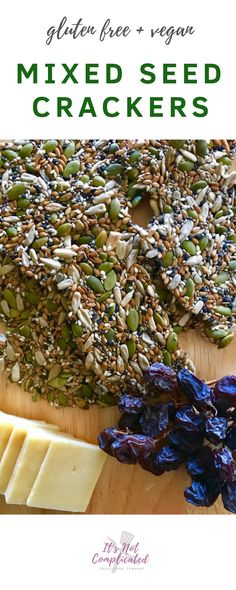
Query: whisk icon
[(125, 539)]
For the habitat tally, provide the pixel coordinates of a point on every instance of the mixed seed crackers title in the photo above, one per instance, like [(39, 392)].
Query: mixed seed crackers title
[(109, 76)]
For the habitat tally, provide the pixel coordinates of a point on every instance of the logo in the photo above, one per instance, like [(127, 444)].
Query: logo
[(122, 555)]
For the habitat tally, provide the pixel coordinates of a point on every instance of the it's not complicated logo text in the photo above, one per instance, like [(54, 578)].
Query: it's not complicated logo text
[(126, 554)]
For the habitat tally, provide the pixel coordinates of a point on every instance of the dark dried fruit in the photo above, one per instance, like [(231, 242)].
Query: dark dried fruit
[(185, 441), (225, 391), (189, 418), (229, 496), (230, 439), (197, 391), (155, 420), (169, 426), (132, 448), (149, 464), (130, 422), (202, 494), (215, 429), (225, 464), (201, 465), (169, 458), (106, 438), (162, 378), (130, 404)]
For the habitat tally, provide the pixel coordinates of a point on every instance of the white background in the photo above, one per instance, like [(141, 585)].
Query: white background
[(23, 36), (44, 552), (54, 553)]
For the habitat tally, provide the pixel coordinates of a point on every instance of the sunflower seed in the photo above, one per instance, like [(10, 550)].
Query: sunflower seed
[(40, 358), (143, 362), (194, 260), (88, 343), (15, 373), (197, 307), (89, 361), (127, 298), (64, 284), (96, 209), (64, 253), (50, 263)]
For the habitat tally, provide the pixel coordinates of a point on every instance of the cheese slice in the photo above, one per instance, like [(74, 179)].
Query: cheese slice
[(5, 432), (7, 422), (14, 445), (67, 476), (27, 466)]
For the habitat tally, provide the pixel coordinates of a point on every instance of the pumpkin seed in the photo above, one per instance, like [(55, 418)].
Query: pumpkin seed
[(222, 277), (226, 341), (172, 342), (177, 330), (23, 203), (131, 348), (189, 247), (64, 229), (203, 243), (9, 298), (190, 288), (50, 145), (223, 310), (98, 181), (106, 266), (186, 166), (114, 209), (17, 190), (113, 147), (101, 238), (177, 143), (95, 284), (166, 358), (201, 147), (158, 319), (193, 214), (134, 156), (167, 258), (104, 296), (39, 243), (110, 281), (87, 268), (232, 265), (114, 169), (63, 399), (132, 320), (69, 150), (77, 330), (11, 232), (110, 335), (25, 331), (26, 150), (198, 185), (217, 333), (71, 168), (225, 161), (10, 155)]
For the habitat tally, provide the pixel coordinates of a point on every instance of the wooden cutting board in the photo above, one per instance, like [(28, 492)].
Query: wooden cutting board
[(124, 489)]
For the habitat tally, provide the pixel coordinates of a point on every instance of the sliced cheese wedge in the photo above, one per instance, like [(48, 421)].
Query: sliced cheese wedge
[(67, 476), (14, 445), (32, 454), (7, 422), (5, 433)]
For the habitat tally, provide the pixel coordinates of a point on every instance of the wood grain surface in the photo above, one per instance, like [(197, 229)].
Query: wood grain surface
[(124, 489)]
